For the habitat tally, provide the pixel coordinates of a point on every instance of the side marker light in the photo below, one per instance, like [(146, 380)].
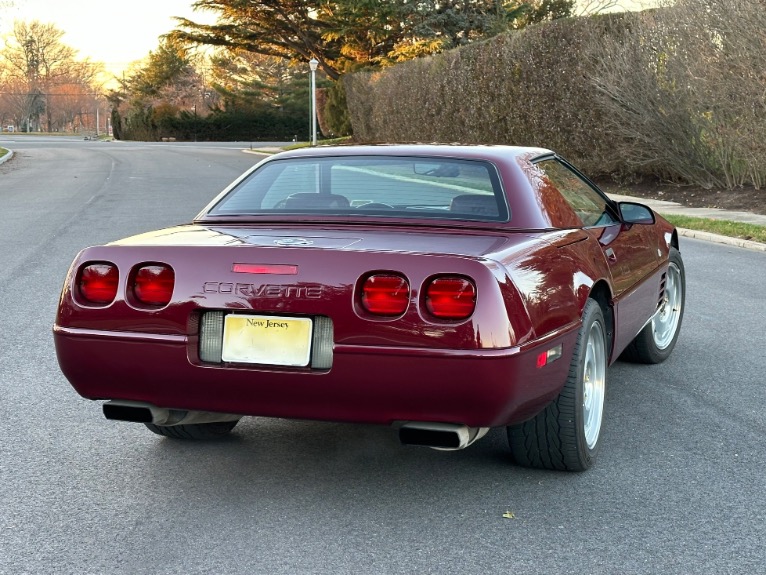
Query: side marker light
[(550, 356)]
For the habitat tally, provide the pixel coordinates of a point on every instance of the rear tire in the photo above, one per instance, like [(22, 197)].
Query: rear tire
[(656, 341), (199, 431), (564, 436)]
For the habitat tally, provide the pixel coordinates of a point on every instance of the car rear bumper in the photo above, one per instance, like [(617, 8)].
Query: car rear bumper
[(381, 385)]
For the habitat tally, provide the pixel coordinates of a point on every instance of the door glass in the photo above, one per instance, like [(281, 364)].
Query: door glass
[(586, 202)]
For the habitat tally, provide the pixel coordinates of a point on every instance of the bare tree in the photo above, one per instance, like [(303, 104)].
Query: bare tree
[(684, 91), (725, 65), (588, 7), (36, 66)]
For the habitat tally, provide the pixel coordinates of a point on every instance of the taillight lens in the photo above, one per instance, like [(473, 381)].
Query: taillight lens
[(98, 282), (385, 294), (451, 297), (153, 284)]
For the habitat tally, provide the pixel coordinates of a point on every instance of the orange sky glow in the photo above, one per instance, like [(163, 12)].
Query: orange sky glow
[(116, 34)]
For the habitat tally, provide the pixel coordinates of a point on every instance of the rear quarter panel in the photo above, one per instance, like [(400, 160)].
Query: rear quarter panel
[(555, 277)]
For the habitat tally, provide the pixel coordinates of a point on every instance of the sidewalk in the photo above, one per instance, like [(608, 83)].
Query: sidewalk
[(673, 208)]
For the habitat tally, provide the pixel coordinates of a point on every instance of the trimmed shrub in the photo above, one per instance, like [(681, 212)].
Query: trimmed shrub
[(529, 87), (243, 125), (630, 94)]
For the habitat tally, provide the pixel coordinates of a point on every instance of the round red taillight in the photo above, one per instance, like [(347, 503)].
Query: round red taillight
[(385, 294), (97, 283), (451, 297), (153, 284)]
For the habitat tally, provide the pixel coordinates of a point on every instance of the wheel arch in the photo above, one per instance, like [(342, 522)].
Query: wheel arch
[(674, 240), (602, 294)]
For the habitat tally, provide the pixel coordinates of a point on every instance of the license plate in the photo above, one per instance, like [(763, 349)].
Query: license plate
[(267, 340)]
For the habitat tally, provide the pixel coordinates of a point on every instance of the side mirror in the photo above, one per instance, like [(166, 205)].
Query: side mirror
[(636, 213)]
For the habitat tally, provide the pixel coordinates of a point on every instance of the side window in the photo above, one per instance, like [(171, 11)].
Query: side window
[(588, 204)]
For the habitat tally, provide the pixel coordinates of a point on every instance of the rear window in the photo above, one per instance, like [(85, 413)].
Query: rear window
[(365, 186)]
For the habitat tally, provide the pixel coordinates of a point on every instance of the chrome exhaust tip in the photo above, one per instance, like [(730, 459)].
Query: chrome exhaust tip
[(441, 436), (132, 413), (137, 412)]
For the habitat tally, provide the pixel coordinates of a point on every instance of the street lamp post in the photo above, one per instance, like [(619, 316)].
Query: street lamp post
[(313, 63)]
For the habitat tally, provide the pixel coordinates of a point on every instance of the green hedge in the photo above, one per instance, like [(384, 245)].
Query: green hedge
[(242, 126), (262, 125)]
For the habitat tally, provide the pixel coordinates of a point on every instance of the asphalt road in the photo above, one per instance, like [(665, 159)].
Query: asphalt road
[(679, 487)]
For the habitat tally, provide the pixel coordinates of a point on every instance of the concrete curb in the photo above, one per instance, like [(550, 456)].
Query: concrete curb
[(262, 151), (7, 156)]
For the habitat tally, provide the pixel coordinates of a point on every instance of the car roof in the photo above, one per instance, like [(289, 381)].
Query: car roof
[(496, 153)]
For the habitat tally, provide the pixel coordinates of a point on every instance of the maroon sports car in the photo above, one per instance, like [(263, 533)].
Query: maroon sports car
[(442, 290)]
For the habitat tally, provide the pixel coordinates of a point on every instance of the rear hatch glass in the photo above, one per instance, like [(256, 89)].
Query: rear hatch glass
[(396, 187)]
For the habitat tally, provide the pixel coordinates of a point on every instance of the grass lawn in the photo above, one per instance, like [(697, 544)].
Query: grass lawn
[(722, 227)]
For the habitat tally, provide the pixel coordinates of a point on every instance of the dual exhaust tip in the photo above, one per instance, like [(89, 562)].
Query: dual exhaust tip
[(442, 436), (138, 412)]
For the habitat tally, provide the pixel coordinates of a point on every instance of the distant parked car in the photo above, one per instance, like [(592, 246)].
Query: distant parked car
[(10, 129), (442, 290)]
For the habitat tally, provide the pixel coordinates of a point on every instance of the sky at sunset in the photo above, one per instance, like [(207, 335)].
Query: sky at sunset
[(115, 33)]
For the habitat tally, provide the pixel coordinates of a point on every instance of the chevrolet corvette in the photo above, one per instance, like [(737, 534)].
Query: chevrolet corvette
[(442, 290)]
